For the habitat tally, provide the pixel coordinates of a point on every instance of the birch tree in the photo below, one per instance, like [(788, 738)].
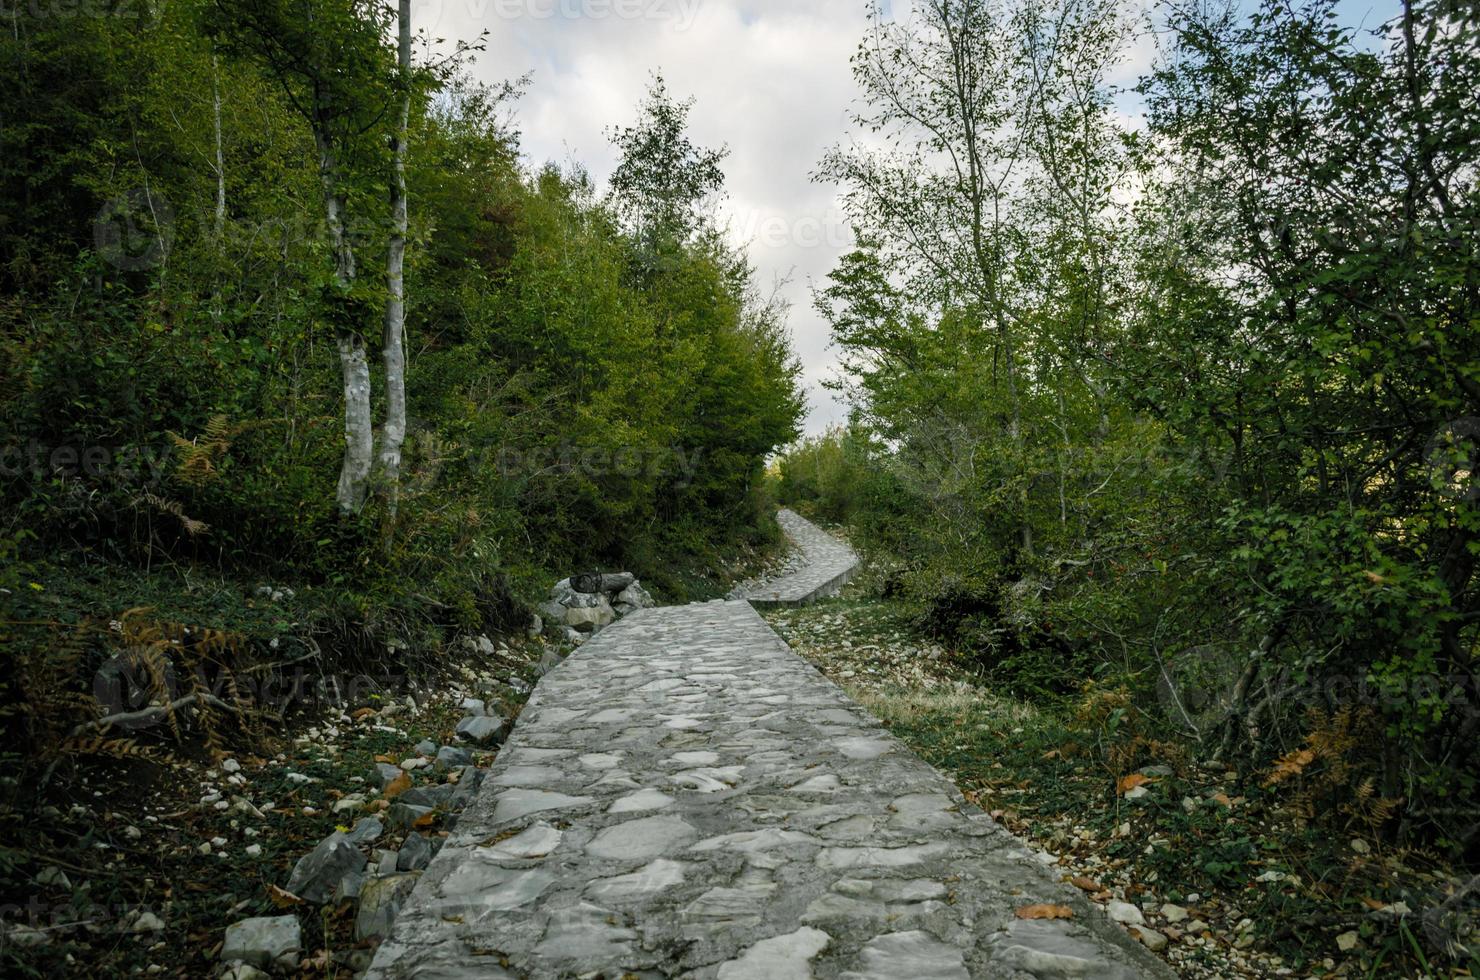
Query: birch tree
[(962, 102), (393, 350), (330, 59)]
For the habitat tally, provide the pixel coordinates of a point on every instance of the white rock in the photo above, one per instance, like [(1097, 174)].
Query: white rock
[(231, 765), (1125, 912), (1347, 941), (266, 942), (1151, 939), (147, 922), (1173, 913)]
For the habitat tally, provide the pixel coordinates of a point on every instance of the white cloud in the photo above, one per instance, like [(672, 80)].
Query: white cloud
[(772, 81)]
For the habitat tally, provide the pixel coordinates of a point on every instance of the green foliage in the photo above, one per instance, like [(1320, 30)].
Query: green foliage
[(1230, 409), (169, 393)]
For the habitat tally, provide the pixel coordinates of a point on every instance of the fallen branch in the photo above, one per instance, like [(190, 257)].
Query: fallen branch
[(151, 713)]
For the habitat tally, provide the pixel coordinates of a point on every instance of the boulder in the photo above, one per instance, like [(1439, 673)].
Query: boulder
[(403, 816), (589, 619), (551, 612), (349, 887), (380, 903), (266, 942), (453, 757), (415, 854), (366, 831), (432, 796), (635, 596), (318, 872), (426, 747), (481, 730)]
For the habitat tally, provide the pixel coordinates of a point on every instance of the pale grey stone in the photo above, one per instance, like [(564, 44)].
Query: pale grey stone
[(785, 957), (659, 876), (910, 954), (641, 840), (515, 803), (268, 942), (535, 842), (481, 730), (318, 872)]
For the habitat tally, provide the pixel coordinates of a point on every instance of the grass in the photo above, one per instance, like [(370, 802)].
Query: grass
[(1271, 870)]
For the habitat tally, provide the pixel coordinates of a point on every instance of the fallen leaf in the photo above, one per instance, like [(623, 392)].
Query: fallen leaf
[(1222, 798), (1044, 912), (1130, 782), (281, 897), (396, 786), (364, 713), (1085, 884)]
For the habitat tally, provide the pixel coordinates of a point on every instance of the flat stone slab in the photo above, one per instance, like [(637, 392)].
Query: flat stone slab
[(714, 808), (829, 565)]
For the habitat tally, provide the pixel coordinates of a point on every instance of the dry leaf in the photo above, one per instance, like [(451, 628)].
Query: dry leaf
[(1291, 765), (396, 786), (1045, 912), (281, 897), (1130, 782), (1085, 884), (364, 713)]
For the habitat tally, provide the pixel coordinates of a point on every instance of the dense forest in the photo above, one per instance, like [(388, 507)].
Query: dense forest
[(283, 304), (1189, 409)]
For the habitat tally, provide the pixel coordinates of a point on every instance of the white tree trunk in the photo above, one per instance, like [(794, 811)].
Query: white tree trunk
[(393, 352), (220, 158), (359, 434), (359, 438)]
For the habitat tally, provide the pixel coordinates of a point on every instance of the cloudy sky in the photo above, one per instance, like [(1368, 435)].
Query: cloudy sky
[(772, 82)]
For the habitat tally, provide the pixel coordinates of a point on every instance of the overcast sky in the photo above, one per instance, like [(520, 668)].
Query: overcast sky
[(771, 81)]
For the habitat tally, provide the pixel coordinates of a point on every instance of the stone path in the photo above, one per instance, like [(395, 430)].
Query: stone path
[(829, 565), (685, 797)]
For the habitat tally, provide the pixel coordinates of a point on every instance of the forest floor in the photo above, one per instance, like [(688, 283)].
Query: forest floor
[(1230, 876), (129, 868)]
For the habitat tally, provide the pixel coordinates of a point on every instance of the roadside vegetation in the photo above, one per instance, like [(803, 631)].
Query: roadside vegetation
[(309, 378), (1170, 432)]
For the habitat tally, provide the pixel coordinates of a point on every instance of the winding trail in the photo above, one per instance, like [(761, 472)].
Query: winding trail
[(686, 797), (829, 565)]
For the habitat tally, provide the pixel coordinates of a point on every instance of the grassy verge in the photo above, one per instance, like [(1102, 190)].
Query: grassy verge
[(1239, 876)]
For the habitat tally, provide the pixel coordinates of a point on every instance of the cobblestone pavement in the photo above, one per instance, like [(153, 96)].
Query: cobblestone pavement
[(686, 797), (829, 563)]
